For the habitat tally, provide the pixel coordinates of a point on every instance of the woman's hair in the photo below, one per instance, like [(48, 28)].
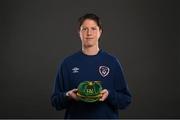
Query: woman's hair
[(90, 16)]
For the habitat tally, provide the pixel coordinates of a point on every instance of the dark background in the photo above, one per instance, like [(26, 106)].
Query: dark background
[(37, 34)]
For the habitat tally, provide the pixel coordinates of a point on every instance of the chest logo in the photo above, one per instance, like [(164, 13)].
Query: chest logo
[(104, 71), (75, 70)]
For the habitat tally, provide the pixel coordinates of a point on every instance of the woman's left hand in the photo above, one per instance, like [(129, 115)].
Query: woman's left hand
[(105, 94)]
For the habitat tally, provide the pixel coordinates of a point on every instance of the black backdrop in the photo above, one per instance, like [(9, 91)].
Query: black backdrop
[(37, 34)]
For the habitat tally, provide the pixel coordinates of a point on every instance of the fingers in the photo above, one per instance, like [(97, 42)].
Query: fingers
[(104, 91), (72, 94), (74, 90), (71, 91), (105, 94)]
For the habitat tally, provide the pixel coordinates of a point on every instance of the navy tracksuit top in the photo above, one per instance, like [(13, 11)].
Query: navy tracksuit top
[(81, 67)]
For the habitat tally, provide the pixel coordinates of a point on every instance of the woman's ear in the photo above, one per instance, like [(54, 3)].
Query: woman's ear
[(100, 31)]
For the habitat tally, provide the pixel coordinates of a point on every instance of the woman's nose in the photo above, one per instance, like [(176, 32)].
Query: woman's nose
[(89, 32)]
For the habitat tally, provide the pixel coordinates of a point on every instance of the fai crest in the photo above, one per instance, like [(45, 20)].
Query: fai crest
[(104, 71)]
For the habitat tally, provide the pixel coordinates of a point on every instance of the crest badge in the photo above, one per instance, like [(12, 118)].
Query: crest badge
[(104, 71)]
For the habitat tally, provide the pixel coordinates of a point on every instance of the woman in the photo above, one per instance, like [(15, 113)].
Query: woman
[(90, 64)]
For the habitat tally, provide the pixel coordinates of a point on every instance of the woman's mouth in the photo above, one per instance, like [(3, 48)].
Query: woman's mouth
[(89, 38)]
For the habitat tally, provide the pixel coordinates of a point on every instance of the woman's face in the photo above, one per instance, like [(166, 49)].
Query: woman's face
[(89, 33)]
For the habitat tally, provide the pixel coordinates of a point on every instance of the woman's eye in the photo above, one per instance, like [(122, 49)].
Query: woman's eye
[(94, 29), (84, 29)]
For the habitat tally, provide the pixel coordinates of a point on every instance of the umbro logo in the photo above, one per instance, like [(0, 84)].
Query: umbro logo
[(75, 70)]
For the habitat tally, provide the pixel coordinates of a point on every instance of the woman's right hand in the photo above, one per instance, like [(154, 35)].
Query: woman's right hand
[(72, 94)]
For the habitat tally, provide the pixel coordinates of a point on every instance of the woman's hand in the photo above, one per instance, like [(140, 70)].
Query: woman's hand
[(104, 96), (72, 94)]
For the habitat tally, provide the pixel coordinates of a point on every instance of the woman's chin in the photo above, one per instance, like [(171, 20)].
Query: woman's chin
[(88, 44)]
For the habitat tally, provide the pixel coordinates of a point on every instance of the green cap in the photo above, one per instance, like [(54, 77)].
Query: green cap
[(89, 91)]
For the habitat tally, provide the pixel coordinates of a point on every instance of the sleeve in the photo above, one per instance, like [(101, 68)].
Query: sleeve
[(59, 99), (119, 97)]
